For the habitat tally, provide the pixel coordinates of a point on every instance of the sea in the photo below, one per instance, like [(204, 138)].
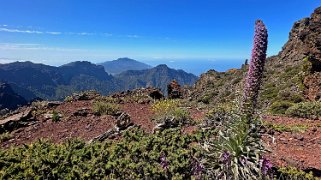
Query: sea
[(197, 67)]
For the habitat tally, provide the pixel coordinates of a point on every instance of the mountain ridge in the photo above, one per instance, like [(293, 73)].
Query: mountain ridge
[(123, 64), (32, 81)]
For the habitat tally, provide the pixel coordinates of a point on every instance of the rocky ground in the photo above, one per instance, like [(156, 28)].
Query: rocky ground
[(294, 142), (291, 141)]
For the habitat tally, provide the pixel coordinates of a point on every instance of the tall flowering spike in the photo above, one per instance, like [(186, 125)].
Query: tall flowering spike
[(255, 73)]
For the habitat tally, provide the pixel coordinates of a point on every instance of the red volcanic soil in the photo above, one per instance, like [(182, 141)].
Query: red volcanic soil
[(75, 126), (301, 149)]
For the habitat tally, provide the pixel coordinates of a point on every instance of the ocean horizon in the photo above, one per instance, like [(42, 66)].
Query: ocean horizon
[(197, 67)]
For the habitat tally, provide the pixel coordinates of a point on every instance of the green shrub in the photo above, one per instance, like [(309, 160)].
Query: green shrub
[(169, 109), (286, 128), (279, 107), (55, 116), (68, 99), (290, 173), (136, 156), (310, 110), (104, 108), (5, 137)]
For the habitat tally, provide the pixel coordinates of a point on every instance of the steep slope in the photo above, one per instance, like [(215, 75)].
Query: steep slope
[(290, 77), (49, 82), (9, 99), (40, 79), (83, 75), (123, 64), (158, 77)]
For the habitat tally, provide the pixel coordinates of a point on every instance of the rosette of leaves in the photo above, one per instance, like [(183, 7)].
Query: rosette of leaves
[(235, 153)]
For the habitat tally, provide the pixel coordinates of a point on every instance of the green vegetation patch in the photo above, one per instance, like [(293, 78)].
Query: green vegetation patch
[(294, 173), (285, 128), (105, 108), (166, 155), (309, 110), (279, 107), (170, 109)]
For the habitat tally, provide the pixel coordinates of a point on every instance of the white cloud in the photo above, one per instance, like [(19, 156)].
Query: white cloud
[(53, 33), (27, 30), (107, 34), (133, 36), (20, 46), (20, 31)]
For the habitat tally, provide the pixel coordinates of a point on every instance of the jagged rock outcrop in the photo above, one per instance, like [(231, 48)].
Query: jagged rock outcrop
[(305, 41), (293, 75), (174, 90), (15, 121), (304, 44), (9, 99)]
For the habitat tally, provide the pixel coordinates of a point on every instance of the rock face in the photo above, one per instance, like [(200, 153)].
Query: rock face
[(293, 75), (9, 99), (174, 90), (305, 40), (23, 118), (304, 44)]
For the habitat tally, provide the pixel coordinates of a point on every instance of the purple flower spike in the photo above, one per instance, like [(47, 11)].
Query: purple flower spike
[(255, 73), (266, 166)]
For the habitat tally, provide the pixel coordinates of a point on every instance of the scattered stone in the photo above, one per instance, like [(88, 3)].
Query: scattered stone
[(46, 104), (167, 123), (48, 116), (82, 112), (16, 121), (123, 121), (299, 137), (87, 95), (174, 90)]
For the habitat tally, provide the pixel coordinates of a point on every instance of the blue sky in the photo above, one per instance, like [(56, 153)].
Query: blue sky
[(59, 31)]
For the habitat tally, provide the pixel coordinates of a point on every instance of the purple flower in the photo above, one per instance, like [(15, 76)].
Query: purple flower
[(266, 166), (226, 157), (255, 73), (197, 167), (243, 160), (164, 163)]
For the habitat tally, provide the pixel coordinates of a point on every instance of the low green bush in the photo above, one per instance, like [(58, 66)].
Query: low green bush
[(279, 107), (55, 116), (286, 128), (309, 110), (105, 108), (169, 109), (289, 173), (5, 137), (165, 155)]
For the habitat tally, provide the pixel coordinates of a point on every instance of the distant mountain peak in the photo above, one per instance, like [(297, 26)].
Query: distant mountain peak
[(125, 59), (123, 64), (162, 66)]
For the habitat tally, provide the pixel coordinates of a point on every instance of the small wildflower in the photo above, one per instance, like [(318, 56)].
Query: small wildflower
[(197, 168), (226, 157), (243, 160), (164, 163), (266, 166)]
